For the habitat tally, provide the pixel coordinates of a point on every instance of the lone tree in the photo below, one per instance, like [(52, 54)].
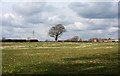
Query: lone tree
[(56, 31)]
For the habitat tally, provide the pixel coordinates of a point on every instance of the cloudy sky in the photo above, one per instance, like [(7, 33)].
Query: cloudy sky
[(83, 19)]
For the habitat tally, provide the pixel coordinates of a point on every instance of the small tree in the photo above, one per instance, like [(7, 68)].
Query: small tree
[(80, 39), (56, 31), (46, 40), (75, 38)]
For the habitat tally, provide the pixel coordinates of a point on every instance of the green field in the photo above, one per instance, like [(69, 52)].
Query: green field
[(59, 58)]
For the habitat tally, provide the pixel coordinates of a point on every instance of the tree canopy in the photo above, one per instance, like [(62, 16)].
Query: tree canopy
[(56, 31)]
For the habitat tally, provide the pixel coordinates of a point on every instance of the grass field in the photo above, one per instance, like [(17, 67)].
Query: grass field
[(59, 58)]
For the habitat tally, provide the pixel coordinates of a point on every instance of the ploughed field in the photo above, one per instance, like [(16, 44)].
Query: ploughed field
[(59, 58)]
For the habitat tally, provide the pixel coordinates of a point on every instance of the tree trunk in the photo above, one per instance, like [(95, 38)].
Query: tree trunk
[(56, 38)]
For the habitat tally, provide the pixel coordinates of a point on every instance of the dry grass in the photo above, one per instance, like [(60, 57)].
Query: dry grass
[(60, 58)]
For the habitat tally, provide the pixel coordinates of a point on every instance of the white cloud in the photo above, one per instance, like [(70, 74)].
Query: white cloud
[(7, 15), (112, 29), (10, 19), (54, 18), (77, 26), (97, 31), (18, 29)]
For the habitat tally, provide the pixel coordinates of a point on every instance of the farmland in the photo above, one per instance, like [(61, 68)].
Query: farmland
[(59, 58)]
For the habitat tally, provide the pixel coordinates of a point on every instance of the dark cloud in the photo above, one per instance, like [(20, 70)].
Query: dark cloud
[(34, 12), (35, 19), (6, 21), (28, 9), (98, 27), (95, 9), (11, 20)]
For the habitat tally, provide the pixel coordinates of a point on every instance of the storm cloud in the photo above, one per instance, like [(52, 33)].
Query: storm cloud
[(95, 9)]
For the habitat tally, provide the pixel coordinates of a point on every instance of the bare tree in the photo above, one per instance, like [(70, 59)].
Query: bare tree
[(56, 31)]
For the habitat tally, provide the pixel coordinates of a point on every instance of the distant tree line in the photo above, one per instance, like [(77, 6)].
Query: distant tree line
[(19, 40)]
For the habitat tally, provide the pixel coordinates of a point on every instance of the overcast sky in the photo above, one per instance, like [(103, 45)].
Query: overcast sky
[(83, 19)]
